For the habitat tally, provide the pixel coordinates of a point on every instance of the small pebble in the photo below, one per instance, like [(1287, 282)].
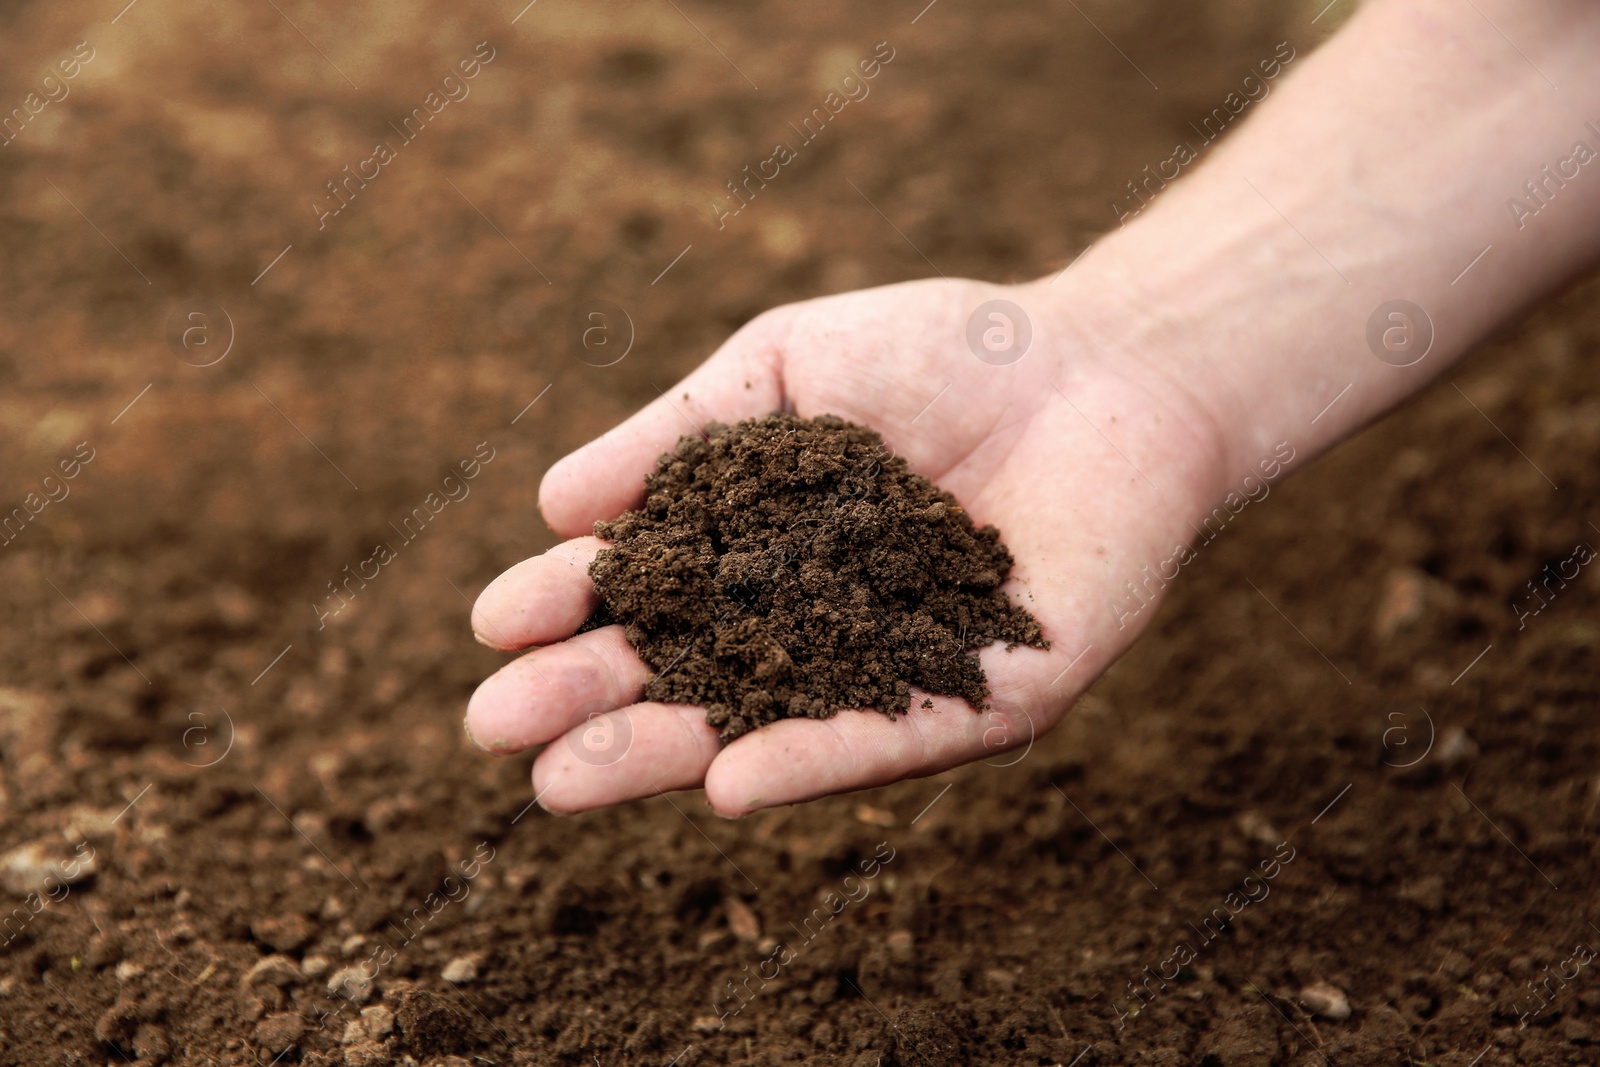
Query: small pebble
[(871, 816), (283, 933), (43, 866), (351, 983), (742, 921), (281, 1032), (378, 1020), (127, 970), (900, 944), (461, 970), (271, 970), (1326, 1000)]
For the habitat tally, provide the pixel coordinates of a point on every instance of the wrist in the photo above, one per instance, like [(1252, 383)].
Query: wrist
[(1138, 396)]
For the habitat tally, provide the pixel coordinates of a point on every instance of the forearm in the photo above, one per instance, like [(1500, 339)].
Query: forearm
[(1379, 168)]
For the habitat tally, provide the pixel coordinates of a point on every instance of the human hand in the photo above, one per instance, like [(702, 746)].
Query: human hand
[(1088, 459)]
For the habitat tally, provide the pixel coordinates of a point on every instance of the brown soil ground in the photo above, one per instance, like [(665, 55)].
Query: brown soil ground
[(252, 785)]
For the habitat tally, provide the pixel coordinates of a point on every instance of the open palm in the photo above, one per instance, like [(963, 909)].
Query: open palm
[(1089, 465)]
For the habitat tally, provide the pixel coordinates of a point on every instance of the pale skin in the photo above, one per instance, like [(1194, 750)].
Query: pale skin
[(1166, 364)]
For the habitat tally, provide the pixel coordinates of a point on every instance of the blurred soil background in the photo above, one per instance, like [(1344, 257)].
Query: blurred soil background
[(269, 801)]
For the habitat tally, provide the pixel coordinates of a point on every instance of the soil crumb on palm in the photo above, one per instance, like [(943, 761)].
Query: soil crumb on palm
[(787, 567)]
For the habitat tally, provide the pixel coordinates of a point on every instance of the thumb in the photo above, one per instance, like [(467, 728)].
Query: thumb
[(605, 477)]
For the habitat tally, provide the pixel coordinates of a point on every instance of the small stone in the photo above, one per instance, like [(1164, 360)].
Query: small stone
[(281, 1032), (285, 933), (706, 1024), (1456, 746), (866, 813), (378, 1020), (1255, 826), (90, 824), (352, 944), (1001, 981), (1327, 1000), (351, 983), (900, 944), (1402, 603), (43, 866), (354, 1031), (742, 921), (461, 970), (128, 970), (278, 971), (315, 966), (367, 1054)]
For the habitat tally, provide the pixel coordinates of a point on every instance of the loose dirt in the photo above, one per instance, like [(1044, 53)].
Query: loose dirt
[(790, 567), (248, 806)]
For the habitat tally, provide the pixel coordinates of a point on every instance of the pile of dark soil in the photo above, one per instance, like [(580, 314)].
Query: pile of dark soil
[(788, 567)]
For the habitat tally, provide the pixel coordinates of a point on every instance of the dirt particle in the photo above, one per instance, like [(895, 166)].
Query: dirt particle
[(284, 933), (431, 1025), (1327, 1000), (279, 1033), (788, 567), (278, 971), (42, 866), (351, 983), (871, 816), (378, 1021), (461, 970), (742, 921)]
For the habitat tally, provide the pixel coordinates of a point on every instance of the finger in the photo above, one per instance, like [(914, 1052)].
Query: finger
[(543, 694), (801, 759), (633, 752), (605, 477), (540, 600)]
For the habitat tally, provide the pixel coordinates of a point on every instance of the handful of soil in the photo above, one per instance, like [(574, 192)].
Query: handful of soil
[(789, 567)]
